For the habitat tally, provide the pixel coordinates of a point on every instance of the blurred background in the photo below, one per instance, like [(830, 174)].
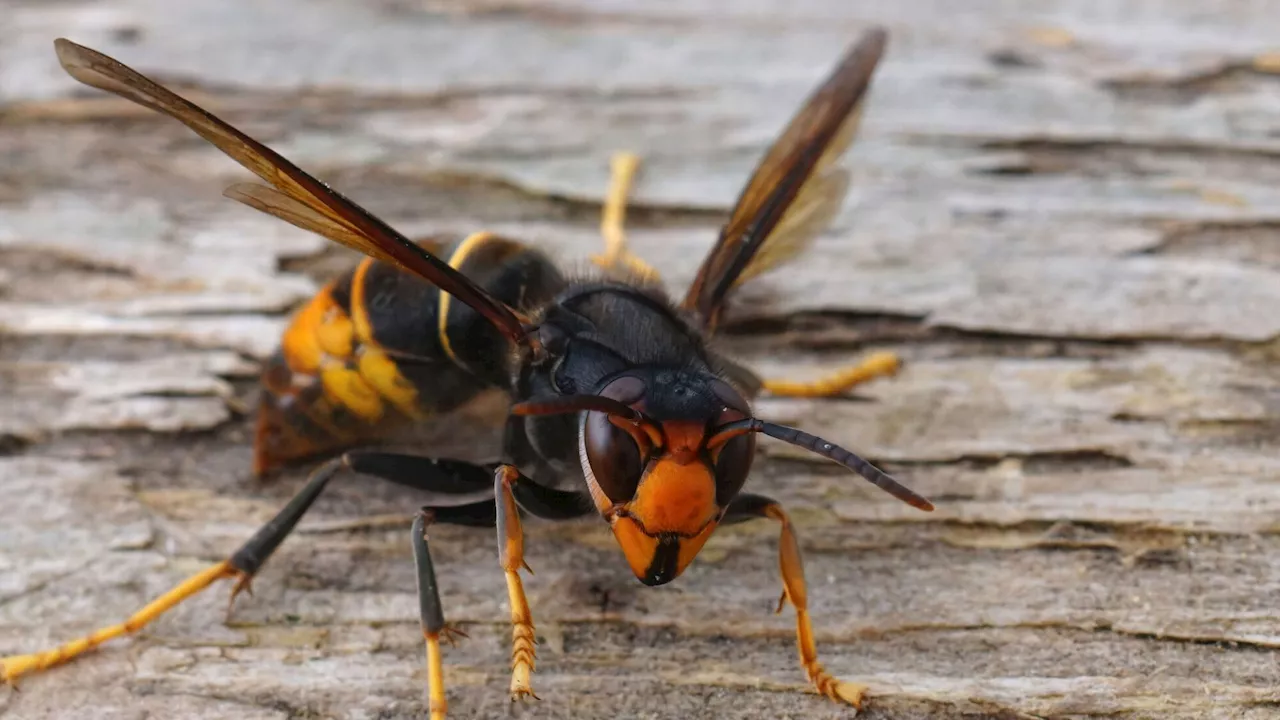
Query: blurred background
[(1063, 218)]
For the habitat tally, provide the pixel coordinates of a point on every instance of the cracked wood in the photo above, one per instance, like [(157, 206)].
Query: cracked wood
[(1063, 218)]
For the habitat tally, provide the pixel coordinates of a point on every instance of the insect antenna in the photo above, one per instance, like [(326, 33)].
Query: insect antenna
[(563, 404), (822, 447)]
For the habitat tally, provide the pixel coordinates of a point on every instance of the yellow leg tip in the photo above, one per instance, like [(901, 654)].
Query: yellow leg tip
[(838, 690), (624, 263), (522, 693), (882, 363), (849, 693), (15, 666), (522, 663), (624, 162), (877, 364)]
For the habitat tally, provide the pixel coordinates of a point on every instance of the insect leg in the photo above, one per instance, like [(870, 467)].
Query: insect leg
[(511, 556), (876, 365), (749, 506), (449, 477), (537, 500), (617, 256), (442, 476), (434, 628), (15, 666)]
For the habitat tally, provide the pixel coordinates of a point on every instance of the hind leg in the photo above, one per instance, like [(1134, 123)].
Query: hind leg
[(447, 477)]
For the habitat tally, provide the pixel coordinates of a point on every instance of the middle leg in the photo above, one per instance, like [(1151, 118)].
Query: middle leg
[(880, 364), (434, 628), (513, 492)]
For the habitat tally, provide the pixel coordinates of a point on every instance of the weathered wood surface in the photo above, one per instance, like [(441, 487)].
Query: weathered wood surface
[(1064, 219)]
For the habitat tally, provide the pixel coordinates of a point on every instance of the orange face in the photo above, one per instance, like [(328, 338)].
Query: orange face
[(673, 510), (660, 486)]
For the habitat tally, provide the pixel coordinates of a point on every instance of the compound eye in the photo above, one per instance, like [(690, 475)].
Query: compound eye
[(616, 454), (733, 460), (614, 457), (731, 398)]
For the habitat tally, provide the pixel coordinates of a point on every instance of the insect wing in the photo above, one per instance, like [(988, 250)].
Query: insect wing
[(311, 204), (796, 189)]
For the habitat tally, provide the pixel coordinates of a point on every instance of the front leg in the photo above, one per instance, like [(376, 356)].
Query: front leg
[(748, 506), (511, 556)]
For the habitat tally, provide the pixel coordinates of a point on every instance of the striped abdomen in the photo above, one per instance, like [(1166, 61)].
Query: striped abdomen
[(378, 348)]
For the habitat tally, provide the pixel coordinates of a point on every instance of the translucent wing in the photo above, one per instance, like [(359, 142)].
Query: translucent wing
[(297, 197), (796, 189), (273, 202), (810, 214)]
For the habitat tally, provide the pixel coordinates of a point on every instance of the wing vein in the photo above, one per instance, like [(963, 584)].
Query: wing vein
[(297, 197), (797, 188)]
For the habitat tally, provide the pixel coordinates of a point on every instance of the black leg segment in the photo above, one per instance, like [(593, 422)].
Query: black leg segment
[(434, 628), (439, 475), (549, 503), (448, 477), (428, 591), (250, 557), (747, 506)]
